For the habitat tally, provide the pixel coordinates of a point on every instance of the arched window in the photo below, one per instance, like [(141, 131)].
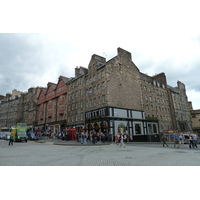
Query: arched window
[(150, 130), (155, 128)]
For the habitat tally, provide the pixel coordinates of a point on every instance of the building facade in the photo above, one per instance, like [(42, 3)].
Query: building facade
[(180, 111), (15, 108), (195, 114), (109, 96), (52, 106)]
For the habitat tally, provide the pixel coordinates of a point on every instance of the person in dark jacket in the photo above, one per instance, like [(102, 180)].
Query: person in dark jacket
[(164, 140)]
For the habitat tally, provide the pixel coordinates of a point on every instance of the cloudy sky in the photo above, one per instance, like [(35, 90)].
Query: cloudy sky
[(41, 40)]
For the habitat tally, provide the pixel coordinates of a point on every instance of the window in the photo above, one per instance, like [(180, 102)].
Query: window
[(81, 104), (103, 85), (102, 73), (155, 130), (137, 129), (95, 88), (91, 103), (99, 99), (98, 75), (103, 99), (94, 101)]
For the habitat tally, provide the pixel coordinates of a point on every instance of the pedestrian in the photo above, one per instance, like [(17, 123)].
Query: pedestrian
[(77, 136), (180, 139), (191, 144), (116, 139), (98, 137), (125, 138), (164, 140), (82, 137), (63, 135), (121, 140), (195, 140), (11, 140), (90, 137), (110, 137), (85, 139), (176, 140), (103, 137), (94, 136)]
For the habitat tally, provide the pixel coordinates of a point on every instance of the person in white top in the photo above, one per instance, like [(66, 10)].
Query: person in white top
[(121, 140)]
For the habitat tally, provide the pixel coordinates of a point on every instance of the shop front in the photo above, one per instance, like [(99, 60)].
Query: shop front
[(124, 121)]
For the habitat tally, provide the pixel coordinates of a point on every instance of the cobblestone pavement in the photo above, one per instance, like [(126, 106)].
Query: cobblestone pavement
[(137, 154)]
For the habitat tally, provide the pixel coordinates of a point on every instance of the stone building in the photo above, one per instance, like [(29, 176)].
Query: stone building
[(109, 96), (52, 108), (16, 108), (180, 112), (195, 114), (9, 109), (118, 83), (155, 102)]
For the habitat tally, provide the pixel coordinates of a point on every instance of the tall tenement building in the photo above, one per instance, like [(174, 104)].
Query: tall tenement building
[(113, 96)]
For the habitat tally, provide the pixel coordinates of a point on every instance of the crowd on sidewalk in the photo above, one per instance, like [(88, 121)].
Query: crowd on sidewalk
[(179, 141), (94, 137)]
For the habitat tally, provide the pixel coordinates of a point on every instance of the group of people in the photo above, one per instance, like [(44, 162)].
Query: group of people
[(93, 137), (179, 140)]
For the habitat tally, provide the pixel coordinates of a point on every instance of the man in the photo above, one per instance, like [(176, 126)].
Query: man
[(11, 140), (164, 139), (176, 142), (195, 140)]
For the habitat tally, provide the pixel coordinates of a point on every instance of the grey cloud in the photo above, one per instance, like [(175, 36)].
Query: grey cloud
[(26, 60)]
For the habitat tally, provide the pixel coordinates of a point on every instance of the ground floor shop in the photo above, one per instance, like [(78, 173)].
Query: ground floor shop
[(124, 121), (111, 120)]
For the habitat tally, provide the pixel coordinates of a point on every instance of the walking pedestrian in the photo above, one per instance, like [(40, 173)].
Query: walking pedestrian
[(176, 140), (191, 144), (94, 136), (180, 139), (110, 137), (195, 140), (116, 139), (164, 139), (11, 140), (103, 137), (82, 137), (122, 141)]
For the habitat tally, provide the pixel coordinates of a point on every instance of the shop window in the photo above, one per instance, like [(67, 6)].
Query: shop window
[(155, 128), (150, 130), (138, 129), (121, 128)]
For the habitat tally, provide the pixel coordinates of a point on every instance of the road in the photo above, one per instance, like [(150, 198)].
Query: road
[(47, 154)]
